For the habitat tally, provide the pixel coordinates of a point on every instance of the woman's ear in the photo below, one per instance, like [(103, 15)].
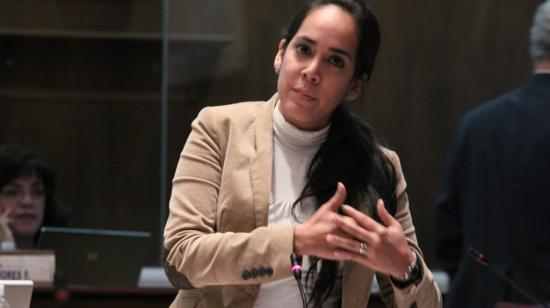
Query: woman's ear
[(357, 87), (279, 56)]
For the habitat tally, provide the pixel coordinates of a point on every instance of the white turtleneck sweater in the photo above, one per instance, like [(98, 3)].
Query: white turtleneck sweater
[(293, 150)]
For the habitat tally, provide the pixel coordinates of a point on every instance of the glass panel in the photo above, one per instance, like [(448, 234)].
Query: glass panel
[(80, 85)]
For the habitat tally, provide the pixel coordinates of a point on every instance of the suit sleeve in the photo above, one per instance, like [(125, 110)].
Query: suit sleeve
[(425, 293), (197, 254)]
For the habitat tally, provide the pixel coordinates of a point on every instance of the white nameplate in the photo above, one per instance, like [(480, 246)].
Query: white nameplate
[(38, 266)]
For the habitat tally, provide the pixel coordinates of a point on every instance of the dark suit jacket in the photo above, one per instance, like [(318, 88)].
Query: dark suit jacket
[(496, 198)]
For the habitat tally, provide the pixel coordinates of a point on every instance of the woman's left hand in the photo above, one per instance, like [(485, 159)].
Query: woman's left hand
[(383, 248)]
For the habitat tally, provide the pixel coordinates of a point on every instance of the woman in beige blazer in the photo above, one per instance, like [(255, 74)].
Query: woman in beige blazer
[(227, 243)]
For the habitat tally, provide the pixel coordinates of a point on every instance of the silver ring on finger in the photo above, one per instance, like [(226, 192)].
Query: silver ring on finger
[(362, 248)]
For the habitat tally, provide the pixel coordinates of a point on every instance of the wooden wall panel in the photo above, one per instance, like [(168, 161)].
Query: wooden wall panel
[(89, 101)]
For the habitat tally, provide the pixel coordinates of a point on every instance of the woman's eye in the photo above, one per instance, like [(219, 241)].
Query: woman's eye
[(38, 193), (337, 61), (11, 192), (303, 49)]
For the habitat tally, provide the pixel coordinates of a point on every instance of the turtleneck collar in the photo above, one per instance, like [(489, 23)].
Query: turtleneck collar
[(294, 138)]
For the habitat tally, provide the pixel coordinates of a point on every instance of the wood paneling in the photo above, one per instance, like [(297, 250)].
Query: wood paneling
[(87, 99)]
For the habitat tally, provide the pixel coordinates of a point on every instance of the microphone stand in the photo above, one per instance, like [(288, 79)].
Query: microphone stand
[(481, 259), (296, 268)]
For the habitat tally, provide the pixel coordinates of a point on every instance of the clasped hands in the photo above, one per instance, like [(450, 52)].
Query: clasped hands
[(354, 236)]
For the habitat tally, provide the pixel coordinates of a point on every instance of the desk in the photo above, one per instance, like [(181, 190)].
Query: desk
[(105, 297), (113, 297), (154, 291)]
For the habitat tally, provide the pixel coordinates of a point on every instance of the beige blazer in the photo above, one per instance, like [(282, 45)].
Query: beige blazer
[(216, 237)]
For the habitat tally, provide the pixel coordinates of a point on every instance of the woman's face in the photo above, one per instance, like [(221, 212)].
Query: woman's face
[(316, 67), (25, 198)]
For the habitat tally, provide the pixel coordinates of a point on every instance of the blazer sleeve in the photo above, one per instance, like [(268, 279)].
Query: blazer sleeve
[(197, 254), (425, 293)]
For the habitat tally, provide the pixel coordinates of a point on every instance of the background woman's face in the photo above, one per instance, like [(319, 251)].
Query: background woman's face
[(316, 67), (25, 198)]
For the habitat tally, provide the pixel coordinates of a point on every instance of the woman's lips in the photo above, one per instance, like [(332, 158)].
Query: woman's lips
[(304, 95), (24, 217)]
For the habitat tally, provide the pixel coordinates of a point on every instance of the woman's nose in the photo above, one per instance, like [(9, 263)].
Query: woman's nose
[(27, 201), (311, 72)]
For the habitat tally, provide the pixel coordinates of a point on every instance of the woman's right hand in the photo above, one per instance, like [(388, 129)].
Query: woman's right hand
[(5, 232), (310, 238)]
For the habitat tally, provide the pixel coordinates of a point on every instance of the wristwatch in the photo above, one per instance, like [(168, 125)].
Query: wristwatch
[(413, 274)]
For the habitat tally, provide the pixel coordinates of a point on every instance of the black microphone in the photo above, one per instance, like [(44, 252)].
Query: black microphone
[(296, 268), (482, 259)]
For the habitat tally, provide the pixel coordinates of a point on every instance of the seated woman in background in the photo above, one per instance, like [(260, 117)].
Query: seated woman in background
[(27, 202)]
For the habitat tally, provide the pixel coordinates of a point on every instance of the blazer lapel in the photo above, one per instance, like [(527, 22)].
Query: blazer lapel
[(260, 173), (262, 162)]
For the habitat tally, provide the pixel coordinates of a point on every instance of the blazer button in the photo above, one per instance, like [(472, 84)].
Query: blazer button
[(246, 275), (255, 273)]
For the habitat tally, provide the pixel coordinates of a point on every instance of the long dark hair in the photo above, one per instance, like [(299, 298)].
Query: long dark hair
[(16, 162), (351, 154)]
